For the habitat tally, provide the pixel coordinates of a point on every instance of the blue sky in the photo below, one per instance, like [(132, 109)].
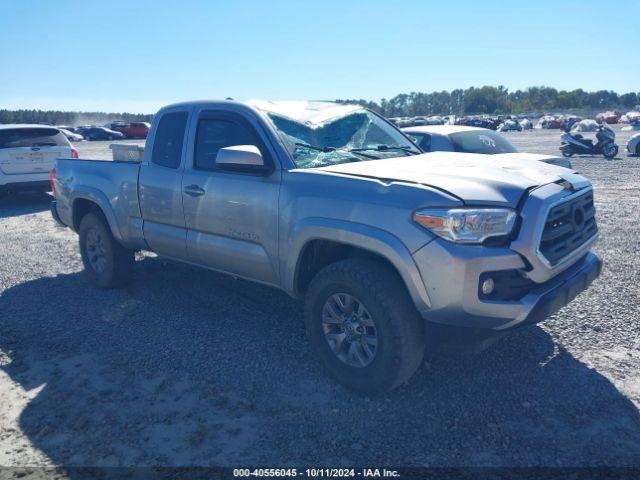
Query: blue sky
[(139, 55)]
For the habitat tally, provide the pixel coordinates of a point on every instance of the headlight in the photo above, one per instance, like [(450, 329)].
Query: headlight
[(467, 225)]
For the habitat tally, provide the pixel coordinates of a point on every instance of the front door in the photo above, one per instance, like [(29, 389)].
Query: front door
[(231, 218)]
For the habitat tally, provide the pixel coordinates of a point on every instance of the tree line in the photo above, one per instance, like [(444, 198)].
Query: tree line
[(498, 100), (474, 100), (57, 117)]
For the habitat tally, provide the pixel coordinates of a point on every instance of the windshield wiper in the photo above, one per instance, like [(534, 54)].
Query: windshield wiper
[(313, 147), (358, 151), (385, 148), (334, 149)]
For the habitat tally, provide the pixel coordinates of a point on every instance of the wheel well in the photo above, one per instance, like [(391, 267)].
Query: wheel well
[(318, 254), (81, 207)]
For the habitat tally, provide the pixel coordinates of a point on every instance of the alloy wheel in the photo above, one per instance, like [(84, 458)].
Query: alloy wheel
[(96, 251), (349, 330)]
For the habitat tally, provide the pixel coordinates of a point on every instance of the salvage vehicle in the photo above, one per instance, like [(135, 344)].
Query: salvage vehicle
[(27, 155), (509, 126), (334, 205), (458, 138), (633, 146)]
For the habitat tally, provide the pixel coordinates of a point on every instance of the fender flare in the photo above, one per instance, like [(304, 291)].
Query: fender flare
[(96, 196), (366, 237)]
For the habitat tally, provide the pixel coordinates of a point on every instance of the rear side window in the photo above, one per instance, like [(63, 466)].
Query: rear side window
[(214, 134), (167, 144), (32, 137)]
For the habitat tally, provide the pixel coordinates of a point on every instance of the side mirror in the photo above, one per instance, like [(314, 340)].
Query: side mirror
[(243, 159)]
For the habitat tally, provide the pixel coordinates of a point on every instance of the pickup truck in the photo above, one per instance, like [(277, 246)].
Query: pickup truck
[(334, 205)]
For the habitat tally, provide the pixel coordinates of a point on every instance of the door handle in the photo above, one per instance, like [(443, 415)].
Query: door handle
[(194, 191)]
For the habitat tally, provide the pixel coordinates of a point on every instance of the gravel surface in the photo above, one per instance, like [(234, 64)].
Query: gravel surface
[(188, 367)]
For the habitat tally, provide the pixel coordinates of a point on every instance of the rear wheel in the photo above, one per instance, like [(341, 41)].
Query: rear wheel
[(107, 264), (363, 325), (610, 150)]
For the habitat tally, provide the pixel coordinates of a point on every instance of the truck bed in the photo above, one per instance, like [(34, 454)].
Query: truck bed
[(111, 184)]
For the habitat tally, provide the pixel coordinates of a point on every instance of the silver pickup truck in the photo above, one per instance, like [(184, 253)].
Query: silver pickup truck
[(387, 246)]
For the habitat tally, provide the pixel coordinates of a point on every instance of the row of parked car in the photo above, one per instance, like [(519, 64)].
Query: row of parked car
[(110, 131), (27, 152)]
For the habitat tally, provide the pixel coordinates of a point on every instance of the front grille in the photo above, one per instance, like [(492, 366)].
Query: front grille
[(569, 225)]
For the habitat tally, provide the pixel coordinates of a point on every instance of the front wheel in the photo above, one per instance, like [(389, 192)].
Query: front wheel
[(610, 150), (107, 264), (567, 152), (362, 323)]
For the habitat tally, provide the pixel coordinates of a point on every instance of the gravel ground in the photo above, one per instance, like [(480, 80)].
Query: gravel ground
[(188, 367)]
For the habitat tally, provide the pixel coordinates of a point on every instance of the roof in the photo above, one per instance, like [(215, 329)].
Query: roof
[(310, 112), (441, 129), (8, 126)]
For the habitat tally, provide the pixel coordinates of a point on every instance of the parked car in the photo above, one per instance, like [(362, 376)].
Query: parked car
[(608, 117), (509, 126), (458, 138), (549, 122), (71, 136), (101, 133), (634, 124), (27, 155), (526, 124), (587, 125), (134, 129), (332, 204), (633, 146)]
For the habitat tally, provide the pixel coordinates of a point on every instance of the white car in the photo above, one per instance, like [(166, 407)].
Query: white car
[(459, 138), (27, 155), (633, 147), (72, 137)]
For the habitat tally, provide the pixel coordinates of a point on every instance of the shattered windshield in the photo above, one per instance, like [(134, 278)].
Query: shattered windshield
[(356, 136)]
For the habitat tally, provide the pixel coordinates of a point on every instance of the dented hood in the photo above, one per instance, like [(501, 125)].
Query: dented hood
[(553, 159), (475, 179)]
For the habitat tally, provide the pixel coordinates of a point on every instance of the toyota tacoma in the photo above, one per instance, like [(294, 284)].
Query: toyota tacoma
[(334, 205)]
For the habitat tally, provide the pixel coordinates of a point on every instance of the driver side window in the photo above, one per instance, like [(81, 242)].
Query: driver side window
[(214, 134)]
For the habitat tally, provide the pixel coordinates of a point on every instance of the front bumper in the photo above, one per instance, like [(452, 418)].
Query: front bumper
[(452, 273)]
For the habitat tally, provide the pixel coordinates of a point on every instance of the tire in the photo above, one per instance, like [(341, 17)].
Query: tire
[(610, 150), (397, 327), (107, 264), (567, 152)]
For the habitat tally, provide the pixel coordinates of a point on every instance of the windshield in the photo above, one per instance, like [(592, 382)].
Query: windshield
[(356, 136), (481, 141)]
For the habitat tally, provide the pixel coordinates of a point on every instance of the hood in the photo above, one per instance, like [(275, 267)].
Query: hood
[(552, 159), (475, 179)]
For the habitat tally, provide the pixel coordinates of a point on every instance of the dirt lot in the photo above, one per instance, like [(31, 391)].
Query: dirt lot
[(188, 367)]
